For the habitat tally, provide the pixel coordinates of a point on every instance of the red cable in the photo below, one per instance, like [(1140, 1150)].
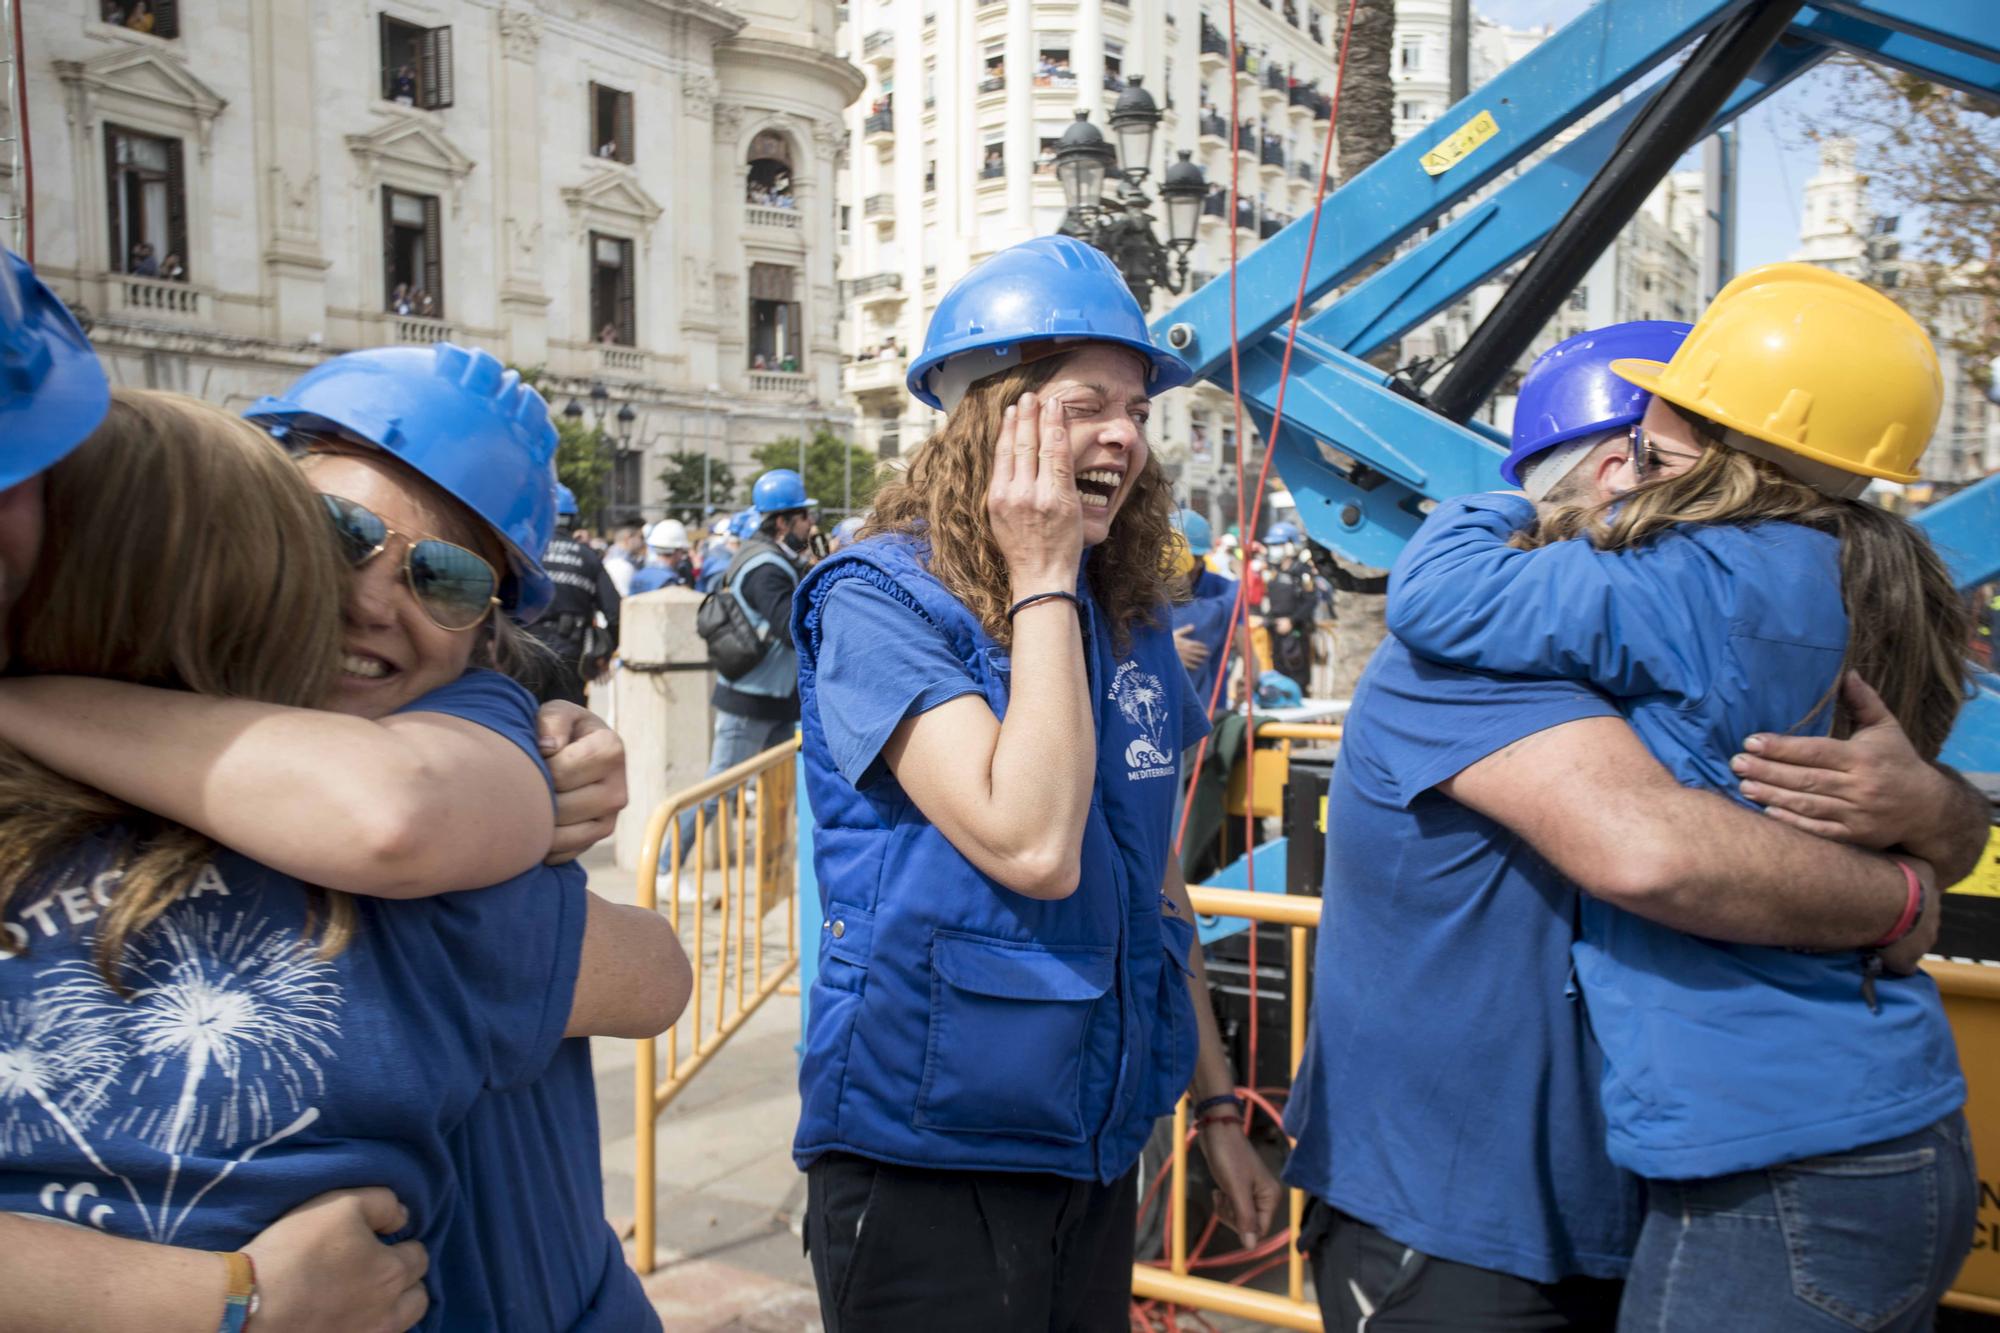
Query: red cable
[(1272, 1250), (20, 111)]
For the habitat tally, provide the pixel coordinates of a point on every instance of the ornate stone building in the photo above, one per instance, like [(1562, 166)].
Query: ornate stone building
[(635, 196)]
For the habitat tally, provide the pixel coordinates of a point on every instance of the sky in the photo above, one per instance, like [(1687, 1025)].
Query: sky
[(1773, 157)]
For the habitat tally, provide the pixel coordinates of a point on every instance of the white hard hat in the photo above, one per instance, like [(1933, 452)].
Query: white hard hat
[(669, 534)]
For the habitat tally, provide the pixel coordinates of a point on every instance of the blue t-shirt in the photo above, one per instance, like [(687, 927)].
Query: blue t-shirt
[(1448, 1094), (530, 1248), (246, 1073), (1207, 612), (880, 663), (1719, 1057)]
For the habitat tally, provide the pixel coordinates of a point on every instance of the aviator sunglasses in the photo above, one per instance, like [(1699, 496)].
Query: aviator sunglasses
[(454, 586), (1646, 455)]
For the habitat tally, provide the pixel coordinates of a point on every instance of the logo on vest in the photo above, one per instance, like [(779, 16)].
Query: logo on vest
[(1142, 701)]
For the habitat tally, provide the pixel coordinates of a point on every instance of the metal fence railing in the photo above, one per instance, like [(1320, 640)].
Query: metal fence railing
[(753, 828)]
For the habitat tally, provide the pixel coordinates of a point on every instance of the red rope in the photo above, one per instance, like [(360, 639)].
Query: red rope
[(1272, 1252)]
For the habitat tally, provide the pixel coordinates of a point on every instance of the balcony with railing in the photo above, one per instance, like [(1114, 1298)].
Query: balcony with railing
[(1246, 138), (1272, 154), (620, 362), (993, 171), (788, 384), (1113, 83), (1275, 78), (1301, 96), (1213, 43), (879, 45), (879, 125), (874, 374), (1215, 205), (993, 83), (416, 330), (1271, 224), (1323, 108), (879, 206), (781, 219), (160, 298), (876, 288), (1213, 125), (1306, 172)]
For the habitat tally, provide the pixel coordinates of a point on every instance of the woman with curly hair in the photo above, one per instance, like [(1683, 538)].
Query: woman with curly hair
[(1009, 991)]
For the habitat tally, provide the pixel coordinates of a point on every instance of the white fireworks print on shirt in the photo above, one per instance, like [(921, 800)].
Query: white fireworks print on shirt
[(230, 1014)]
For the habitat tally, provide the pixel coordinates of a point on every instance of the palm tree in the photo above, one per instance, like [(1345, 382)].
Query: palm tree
[(1367, 128)]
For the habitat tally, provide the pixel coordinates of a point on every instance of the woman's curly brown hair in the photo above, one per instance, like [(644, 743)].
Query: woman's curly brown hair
[(941, 499)]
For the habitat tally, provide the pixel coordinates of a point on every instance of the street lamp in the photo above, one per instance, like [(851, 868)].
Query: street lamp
[(1122, 227), (626, 418)]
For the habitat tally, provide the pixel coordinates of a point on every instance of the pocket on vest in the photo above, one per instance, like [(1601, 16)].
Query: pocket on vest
[(1008, 1026), (1176, 1039)]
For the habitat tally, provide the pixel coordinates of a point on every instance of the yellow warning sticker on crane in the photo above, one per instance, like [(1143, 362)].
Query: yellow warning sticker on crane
[(1985, 880), (1456, 147)]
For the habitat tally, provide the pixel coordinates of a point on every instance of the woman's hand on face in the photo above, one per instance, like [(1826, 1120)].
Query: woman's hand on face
[(1036, 513), (322, 1268)]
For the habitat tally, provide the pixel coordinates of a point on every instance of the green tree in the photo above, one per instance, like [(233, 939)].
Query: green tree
[(683, 479), (584, 454), (828, 457)]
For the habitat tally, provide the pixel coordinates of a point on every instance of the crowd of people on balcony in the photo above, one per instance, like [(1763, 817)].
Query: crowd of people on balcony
[(1053, 70), (145, 262), (138, 16), (410, 300), (772, 196), (886, 350), (788, 365)]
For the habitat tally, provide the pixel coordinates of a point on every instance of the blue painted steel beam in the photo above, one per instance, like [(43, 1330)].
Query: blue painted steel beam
[(1965, 25), (1978, 74), (1500, 229), (1592, 59), (1966, 531)]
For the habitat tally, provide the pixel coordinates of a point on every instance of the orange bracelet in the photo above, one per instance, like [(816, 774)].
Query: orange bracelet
[(1913, 909)]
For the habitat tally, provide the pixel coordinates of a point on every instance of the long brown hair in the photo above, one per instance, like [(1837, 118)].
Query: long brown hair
[(1907, 626), (184, 551), (941, 498)]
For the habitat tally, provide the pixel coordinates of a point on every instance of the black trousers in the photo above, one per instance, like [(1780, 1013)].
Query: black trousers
[(906, 1250), (1368, 1283)]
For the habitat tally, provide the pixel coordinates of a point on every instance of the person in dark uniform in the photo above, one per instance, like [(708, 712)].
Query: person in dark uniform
[(1293, 601), (569, 629)]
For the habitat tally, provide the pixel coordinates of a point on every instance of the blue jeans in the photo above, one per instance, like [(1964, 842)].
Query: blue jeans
[(1863, 1240), (736, 738)]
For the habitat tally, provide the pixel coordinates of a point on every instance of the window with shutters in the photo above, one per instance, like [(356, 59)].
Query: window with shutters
[(610, 123), (611, 291), (416, 64), (777, 339), (412, 254), (146, 191), (161, 18)]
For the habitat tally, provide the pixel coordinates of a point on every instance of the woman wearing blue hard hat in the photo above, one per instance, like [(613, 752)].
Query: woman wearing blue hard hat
[(322, 1264), (1009, 991), (432, 472)]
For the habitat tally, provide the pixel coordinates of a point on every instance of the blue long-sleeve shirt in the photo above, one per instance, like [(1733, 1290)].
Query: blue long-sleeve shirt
[(1719, 1057), (1208, 612)]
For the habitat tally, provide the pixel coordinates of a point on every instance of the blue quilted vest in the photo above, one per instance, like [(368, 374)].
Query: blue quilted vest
[(955, 1023)]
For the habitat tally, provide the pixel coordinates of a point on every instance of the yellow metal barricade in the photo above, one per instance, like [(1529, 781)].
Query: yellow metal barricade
[(1972, 1001), (756, 877), (1274, 764), (1173, 1282)]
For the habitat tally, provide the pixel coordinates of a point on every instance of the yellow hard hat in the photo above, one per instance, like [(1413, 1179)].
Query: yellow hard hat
[(1809, 361), (1180, 557)]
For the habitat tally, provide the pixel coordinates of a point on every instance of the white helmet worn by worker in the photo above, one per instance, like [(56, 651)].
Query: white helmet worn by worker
[(669, 534)]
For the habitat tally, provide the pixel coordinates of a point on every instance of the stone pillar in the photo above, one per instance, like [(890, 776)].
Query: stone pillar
[(691, 234), (517, 149), (286, 132), (662, 716), (1020, 120)]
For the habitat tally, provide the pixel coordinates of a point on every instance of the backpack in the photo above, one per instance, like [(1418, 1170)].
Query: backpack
[(737, 636)]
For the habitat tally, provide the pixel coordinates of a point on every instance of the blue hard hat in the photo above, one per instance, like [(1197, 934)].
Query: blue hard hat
[(565, 501), (844, 530), (778, 490), (52, 389), (1048, 289), (1281, 534), (1192, 526), (1277, 690), (460, 418), (1570, 391), (743, 523)]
